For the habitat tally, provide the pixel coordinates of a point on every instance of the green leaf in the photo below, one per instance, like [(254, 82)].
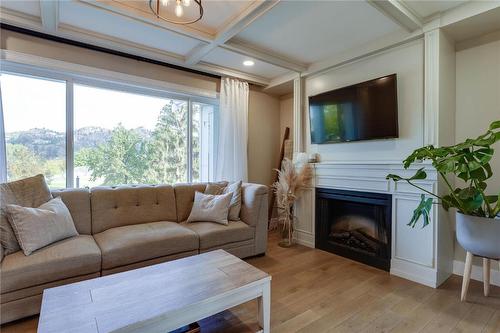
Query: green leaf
[(495, 125), (464, 176), (488, 170), (473, 165), (393, 177), (478, 174), (420, 174), (423, 210), (492, 198), (445, 165), (484, 155), (473, 203)]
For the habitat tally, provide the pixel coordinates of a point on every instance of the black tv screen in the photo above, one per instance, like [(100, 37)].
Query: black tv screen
[(364, 111)]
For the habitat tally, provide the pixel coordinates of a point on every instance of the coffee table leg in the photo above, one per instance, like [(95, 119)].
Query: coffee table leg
[(264, 308)]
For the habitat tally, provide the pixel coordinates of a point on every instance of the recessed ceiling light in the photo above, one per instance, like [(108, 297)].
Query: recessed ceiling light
[(248, 63)]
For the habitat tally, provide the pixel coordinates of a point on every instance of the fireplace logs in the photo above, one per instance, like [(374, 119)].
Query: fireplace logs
[(357, 239)]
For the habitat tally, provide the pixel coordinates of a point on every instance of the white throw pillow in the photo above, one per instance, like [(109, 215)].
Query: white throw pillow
[(235, 189), (39, 227), (210, 208), (235, 206)]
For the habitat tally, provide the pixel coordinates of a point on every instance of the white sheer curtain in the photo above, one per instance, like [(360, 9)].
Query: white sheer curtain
[(231, 163)]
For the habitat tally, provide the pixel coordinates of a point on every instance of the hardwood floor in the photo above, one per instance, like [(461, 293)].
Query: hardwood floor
[(314, 291)]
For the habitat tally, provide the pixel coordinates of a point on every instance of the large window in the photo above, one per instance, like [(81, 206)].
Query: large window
[(35, 127), (116, 134)]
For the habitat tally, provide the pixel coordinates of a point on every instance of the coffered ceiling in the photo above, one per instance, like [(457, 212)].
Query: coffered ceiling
[(281, 37)]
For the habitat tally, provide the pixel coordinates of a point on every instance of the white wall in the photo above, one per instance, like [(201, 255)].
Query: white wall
[(477, 105), (407, 62)]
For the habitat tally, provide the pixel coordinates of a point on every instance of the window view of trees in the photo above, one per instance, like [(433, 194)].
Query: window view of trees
[(119, 137), (138, 155), (35, 120)]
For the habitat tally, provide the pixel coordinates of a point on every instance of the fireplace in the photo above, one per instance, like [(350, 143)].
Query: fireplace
[(356, 225)]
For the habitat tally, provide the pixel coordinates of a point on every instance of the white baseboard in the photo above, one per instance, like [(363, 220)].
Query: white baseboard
[(413, 272), (304, 238), (477, 272)]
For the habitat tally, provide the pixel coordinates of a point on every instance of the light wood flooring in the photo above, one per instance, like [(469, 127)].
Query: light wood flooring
[(314, 291)]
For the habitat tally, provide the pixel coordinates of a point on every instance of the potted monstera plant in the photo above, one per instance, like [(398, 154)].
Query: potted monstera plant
[(477, 212)]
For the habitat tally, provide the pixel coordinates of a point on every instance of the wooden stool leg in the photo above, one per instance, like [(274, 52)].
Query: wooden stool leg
[(486, 276), (466, 278)]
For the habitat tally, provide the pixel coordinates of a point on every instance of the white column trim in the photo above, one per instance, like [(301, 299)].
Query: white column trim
[(298, 89), (431, 87)]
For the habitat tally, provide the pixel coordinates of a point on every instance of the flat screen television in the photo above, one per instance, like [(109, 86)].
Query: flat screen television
[(363, 111)]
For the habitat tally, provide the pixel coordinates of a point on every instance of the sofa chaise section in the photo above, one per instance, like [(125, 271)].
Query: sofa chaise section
[(23, 278), (244, 238)]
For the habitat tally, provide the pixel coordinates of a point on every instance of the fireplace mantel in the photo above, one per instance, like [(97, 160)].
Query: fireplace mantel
[(424, 255)]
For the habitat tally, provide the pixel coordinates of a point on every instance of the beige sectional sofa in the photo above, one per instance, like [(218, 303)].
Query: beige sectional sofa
[(123, 228)]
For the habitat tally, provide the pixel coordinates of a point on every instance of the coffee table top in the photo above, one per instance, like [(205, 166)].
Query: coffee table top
[(116, 301)]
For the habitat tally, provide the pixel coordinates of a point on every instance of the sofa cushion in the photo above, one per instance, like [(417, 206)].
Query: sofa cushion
[(78, 202), (214, 234), (42, 226), (128, 205), (130, 244), (71, 257), (28, 192)]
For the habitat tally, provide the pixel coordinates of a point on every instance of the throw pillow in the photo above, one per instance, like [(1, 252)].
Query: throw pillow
[(29, 192), (39, 227), (210, 208), (235, 206), (235, 189), (214, 189)]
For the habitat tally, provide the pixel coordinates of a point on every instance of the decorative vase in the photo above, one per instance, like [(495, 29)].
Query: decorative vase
[(479, 235), (287, 220)]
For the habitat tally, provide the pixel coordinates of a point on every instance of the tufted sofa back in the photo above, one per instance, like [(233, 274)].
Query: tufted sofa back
[(78, 203), (125, 205)]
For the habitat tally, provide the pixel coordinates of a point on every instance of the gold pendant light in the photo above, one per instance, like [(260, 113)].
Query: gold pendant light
[(164, 5)]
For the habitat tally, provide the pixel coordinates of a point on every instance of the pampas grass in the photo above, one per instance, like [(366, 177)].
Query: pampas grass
[(289, 187)]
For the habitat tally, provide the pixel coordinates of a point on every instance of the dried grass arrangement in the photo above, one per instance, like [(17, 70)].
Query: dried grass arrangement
[(290, 186)]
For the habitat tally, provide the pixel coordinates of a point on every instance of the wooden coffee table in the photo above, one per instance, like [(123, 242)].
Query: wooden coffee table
[(158, 298)]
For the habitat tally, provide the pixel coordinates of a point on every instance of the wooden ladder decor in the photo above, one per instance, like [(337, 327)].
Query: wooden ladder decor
[(286, 136)]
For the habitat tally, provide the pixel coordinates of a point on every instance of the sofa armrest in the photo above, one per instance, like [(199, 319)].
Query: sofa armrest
[(254, 204), (253, 200)]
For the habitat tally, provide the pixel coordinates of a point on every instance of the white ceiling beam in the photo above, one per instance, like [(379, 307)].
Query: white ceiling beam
[(398, 12), (252, 13), (265, 56), (224, 71), (467, 10), (49, 14), (280, 80)]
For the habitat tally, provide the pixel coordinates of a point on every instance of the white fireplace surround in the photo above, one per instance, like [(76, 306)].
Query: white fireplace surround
[(423, 255)]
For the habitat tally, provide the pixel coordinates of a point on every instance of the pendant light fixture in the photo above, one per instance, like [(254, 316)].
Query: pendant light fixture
[(178, 8)]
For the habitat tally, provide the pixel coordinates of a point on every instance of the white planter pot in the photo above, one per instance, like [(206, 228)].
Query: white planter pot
[(479, 235)]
